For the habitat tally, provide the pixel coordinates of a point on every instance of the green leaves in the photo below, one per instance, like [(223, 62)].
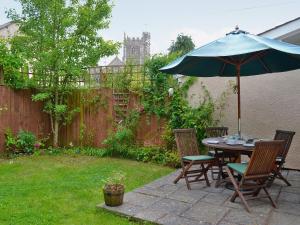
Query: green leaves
[(43, 96), (182, 45), (11, 64)]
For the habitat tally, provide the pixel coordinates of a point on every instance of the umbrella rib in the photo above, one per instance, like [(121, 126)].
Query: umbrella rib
[(227, 61), (222, 69), (264, 65), (257, 55)]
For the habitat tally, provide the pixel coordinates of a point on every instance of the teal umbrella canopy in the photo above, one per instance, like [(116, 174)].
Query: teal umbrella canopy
[(237, 54), (255, 55)]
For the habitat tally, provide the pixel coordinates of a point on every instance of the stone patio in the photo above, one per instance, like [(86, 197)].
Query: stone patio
[(163, 202)]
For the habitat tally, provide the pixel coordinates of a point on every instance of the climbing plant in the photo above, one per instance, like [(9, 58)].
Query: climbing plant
[(176, 108)]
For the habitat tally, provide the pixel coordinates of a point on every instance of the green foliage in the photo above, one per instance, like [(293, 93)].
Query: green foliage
[(86, 136), (155, 93), (10, 141), (118, 142), (182, 45), (155, 155), (11, 64), (24, 142), (43, 96), (176, 109), (117, 178), (59, 39)]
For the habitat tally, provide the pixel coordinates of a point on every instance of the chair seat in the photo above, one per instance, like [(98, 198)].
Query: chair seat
[(198, 158), (238, 167)]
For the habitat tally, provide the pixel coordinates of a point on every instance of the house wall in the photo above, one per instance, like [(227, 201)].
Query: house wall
[(268, 102), (8, 31)]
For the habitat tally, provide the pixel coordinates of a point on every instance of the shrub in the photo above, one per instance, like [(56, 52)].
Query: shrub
[(10, 141), (117, 143), (24, 142)]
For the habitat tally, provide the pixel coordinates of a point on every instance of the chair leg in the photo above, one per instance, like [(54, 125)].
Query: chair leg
[(205, 174), (220, 174), (185, 176), (178, 178), (280, 176), (269, 196), (237, 190), (182, 174), (233, 197)]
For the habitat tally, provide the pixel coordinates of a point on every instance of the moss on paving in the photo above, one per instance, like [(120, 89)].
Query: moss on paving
[(64, 190)]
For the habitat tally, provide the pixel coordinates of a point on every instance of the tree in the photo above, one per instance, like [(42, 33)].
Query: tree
[(59, 39), (183, 44), (10, 66)]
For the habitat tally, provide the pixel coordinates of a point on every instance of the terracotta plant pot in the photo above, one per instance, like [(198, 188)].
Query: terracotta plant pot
[(113, 195)]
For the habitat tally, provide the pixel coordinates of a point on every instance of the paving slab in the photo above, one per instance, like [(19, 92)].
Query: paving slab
[(125, 209), (206, 213), (189, 196), (289, 197), (240, 217), (140, 199), (170, 206), (216, 198), (163, 202), (178, 220), (283, 219), (288, 207)]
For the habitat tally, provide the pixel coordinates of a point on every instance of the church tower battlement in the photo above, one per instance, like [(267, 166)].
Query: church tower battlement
[(136, 50)]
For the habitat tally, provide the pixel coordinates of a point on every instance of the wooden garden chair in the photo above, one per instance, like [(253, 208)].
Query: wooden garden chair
[(223, 157), (217, 153), (287, 137), (255, 173), (194, 166)]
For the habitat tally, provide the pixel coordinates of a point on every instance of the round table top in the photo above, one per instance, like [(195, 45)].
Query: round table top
[(226, 147)]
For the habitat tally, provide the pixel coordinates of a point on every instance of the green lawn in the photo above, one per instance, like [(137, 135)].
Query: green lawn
[(63, 189)]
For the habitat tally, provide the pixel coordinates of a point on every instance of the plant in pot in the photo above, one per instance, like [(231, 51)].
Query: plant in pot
[(113, 189)]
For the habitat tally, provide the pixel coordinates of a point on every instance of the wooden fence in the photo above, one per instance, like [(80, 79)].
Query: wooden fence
[(89, 127)]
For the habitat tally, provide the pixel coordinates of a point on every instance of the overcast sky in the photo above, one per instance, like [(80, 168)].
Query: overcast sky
[(203, 20)]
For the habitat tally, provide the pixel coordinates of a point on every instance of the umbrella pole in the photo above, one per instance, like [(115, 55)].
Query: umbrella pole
[(238, 70)]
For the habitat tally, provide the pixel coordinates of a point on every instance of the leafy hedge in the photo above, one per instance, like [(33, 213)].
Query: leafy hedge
[(142, 154)]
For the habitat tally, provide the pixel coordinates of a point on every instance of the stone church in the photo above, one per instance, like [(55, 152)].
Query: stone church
[(135, 50)]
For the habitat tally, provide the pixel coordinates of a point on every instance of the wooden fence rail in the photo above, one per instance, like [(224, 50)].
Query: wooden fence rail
[(89, 127)]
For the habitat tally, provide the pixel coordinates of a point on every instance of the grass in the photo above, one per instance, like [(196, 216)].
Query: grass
[(64, 190)]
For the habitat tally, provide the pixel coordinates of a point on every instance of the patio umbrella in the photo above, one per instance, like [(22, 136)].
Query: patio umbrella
[(237, 54)]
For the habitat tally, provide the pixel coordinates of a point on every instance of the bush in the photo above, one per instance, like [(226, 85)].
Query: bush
[(117, 143), (155, 155), (24, 142)]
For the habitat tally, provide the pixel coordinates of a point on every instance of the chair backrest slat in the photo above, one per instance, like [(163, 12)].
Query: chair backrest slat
[(287, 137), (263, 157), (216, 131), (186, 141)]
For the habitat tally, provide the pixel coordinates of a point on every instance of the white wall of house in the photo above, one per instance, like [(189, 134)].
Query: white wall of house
[(8, 30)]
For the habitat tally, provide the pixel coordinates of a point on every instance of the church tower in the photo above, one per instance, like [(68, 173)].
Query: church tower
[(136, 50)]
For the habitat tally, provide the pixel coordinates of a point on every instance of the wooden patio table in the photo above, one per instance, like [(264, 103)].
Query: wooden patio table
[(236, 149)]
